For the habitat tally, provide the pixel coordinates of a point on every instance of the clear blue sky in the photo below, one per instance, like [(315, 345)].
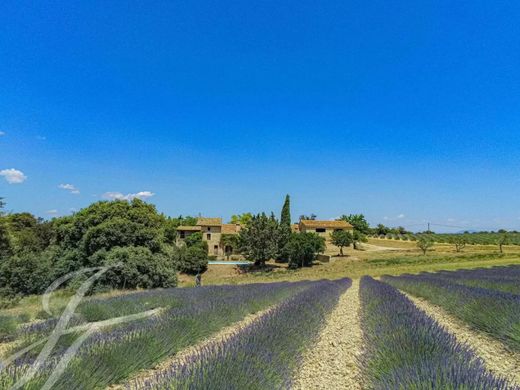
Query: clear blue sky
[(406, 111)]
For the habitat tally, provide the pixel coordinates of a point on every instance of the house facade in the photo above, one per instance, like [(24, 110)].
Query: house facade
[(212, 230), (323, 228)]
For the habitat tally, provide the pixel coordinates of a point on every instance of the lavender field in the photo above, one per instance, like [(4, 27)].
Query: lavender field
[(421, 331)]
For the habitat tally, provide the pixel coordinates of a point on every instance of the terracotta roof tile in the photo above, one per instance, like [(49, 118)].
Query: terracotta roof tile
[(230, 228), (326, 224), (188, 228), (209, 221)]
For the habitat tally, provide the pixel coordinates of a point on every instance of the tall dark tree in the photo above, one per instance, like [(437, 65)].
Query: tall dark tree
[(284, 234), (285, 218)]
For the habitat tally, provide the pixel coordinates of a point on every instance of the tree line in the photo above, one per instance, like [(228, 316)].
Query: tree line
[(140, 245)]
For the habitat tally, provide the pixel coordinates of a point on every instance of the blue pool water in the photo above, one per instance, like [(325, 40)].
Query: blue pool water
[(229, 262)]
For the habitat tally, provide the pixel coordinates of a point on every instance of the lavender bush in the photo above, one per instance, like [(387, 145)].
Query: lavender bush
[(111, 355), (406, 349), (263, 355), (492, 311)]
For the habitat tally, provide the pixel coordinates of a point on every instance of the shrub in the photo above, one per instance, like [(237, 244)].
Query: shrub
[(26, 273), (193, 259), (303, 248), (140, 268), (8, 325), (425, 242), (341, 238)]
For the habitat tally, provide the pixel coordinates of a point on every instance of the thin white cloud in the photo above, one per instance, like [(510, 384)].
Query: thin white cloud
[(13, 176), (52, 212), (119, 196), (2, 133), (401, 216), (69, 187)]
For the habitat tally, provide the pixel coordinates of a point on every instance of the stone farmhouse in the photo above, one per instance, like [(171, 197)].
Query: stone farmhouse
[(212, 230), (323, 228)]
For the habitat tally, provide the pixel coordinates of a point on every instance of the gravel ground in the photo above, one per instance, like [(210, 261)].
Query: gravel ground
[(332, 362), (498, 359)]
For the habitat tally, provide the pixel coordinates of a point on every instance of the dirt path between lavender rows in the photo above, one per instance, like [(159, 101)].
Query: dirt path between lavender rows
[(331, 363), (222, 335), (497, 357)]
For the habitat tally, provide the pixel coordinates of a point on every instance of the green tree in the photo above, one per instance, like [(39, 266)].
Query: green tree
[(284, 234), (26, 273), (503, 239), (138, 267), (358, 237), (382, 230), (303, 248), (341, 238), (120, 232), (5, 239), (285, 218), (358, 221), (193, 259), (401, 230), (193, 239), (29, 233), (311, 217), (425, 242), (91, 236), (258, 240), (242, 219), (459, 241)]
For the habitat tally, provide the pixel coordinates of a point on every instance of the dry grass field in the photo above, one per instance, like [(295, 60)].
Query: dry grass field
[(380, 257)]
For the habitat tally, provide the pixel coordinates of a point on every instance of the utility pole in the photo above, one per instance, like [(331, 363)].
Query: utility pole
[(428, 227)]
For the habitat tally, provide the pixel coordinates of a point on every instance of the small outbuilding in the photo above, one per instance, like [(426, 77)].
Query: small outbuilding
[(323, 228)]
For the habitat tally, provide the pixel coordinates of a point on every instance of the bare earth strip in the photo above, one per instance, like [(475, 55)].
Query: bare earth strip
[(221, 335), (497, 358), (332, 362)]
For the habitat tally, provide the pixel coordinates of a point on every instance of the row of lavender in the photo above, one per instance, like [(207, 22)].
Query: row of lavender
[(111, 355), (490, 310), (406, 349), (504, 279), (263, 355)]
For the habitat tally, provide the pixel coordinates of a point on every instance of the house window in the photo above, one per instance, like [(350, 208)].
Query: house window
[(215, 249), (320, 230), (209, 228), (182, 235), (208, 237)]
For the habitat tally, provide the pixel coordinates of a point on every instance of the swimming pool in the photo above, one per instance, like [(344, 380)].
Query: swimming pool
[(214, 262)]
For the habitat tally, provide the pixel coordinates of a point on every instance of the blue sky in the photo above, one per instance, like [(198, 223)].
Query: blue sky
[(405, 111)]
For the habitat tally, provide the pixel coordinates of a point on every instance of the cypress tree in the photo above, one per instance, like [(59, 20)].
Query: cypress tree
[(285, 218), (284, 233)]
